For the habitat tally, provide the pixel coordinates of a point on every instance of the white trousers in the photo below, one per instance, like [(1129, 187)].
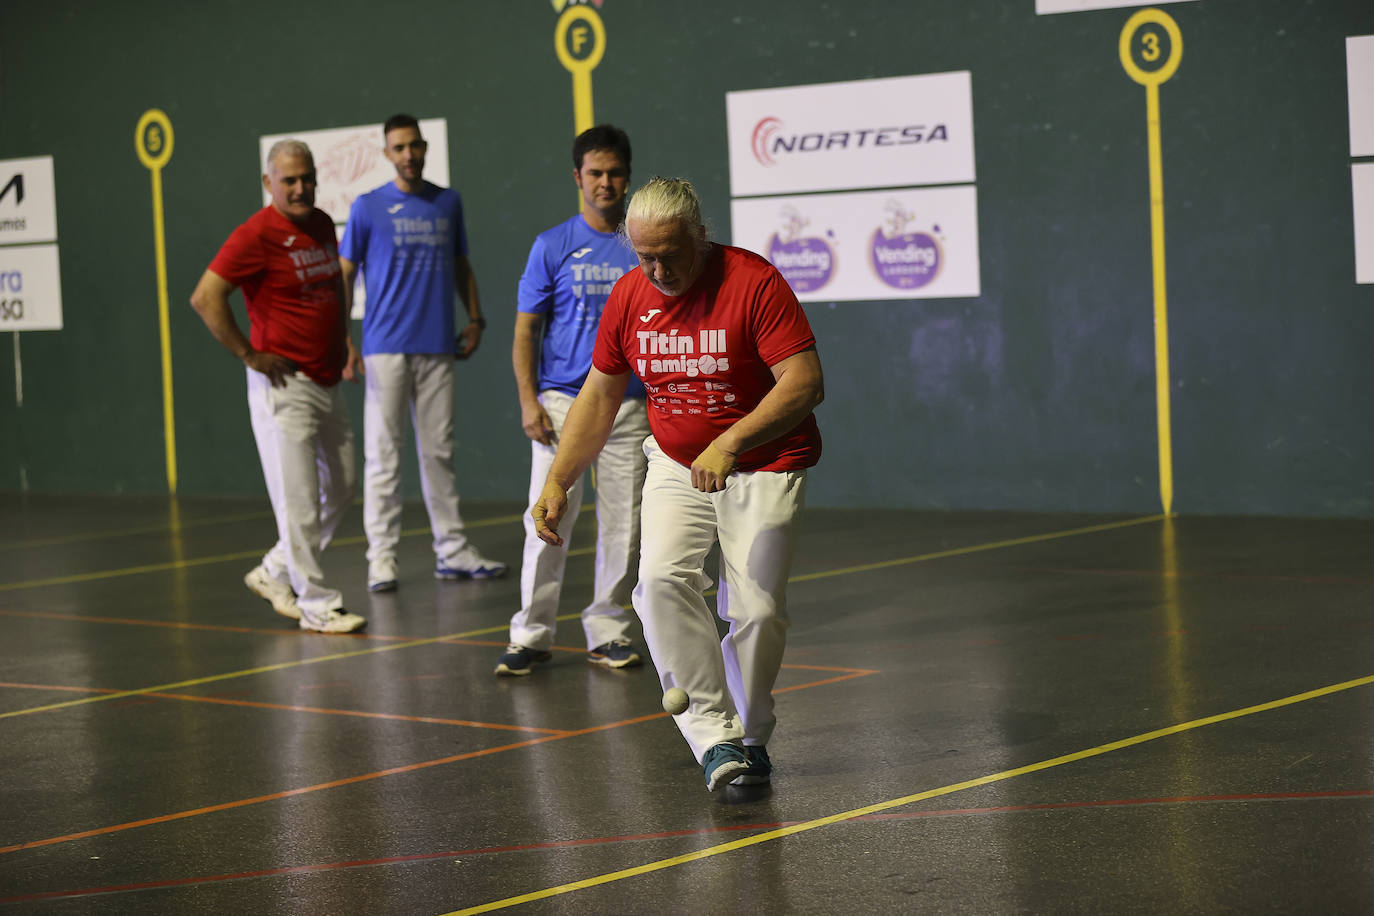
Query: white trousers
[(730, 682), (305, 441), (420, 384), (618, 476)]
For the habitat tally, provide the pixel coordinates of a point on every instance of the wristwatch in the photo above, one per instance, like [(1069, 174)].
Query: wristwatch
[(479, 321)]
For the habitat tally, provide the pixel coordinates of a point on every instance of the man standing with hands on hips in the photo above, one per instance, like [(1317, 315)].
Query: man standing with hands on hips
[(285, 259), (730, 365), (410, 239), (562, 292)]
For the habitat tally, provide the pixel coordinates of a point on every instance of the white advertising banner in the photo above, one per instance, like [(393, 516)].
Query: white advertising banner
[(28, 201), (1362, 185), (1359, 72), (891, 132), (349, 161), (30, 284), (30, 288), (917, 243), (1043, 7)]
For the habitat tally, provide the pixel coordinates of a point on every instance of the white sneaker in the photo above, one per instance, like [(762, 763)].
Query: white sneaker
[(335, 621), (381, 576), (274, 591)]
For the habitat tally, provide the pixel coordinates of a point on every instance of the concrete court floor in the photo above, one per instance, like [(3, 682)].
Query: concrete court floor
[(1001, 713)]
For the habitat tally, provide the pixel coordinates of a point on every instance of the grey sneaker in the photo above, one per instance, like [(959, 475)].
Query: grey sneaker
[(335, 621), (722, 764), (274, 591), (618, 653)]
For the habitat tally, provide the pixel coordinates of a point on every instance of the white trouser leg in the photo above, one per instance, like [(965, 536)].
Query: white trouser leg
[(678, 528), (618, 475), (287, 424), (756, 513), (432, 417), (541, 568), (388, 392)]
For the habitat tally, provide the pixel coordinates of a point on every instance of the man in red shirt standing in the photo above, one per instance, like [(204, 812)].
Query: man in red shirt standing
[(730, 366), (285, 257)]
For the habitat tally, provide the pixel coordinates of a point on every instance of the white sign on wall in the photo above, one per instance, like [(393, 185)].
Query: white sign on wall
[(917, 243), (891, 132), (30, 280), (349, 162), (1362, 187), (1359, 68), (1042, 7)]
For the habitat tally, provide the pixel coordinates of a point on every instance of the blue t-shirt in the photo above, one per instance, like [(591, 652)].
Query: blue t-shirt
[(406, 244), (568, 277)]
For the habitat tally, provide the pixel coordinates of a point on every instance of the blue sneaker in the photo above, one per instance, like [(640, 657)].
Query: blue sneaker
[(518, 661), (760, 767), (723, 763), (618, 653), (483, 569)]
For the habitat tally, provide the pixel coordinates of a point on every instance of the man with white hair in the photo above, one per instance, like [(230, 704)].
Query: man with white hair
[(285, 257), (730, 366)]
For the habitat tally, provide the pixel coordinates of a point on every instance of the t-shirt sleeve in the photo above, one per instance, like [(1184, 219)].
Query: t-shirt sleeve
[(534, 292), (353, 246), (608, 355), (241, 257), (780, 325), (460, 229)]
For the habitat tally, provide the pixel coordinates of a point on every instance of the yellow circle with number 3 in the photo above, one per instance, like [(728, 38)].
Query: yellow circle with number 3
[(1150, 43)]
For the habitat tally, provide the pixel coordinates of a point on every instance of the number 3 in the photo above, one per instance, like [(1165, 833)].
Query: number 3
[(1151, 42)]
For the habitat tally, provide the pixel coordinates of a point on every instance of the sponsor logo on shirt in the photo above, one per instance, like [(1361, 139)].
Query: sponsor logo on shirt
[(581, 253), (677, 352), (652, 313), (289, 240), (394, 208)]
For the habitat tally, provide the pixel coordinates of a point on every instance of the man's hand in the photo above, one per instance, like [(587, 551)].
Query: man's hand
[(548, 512), (711, 467), (537, 424), (353, 369), (275, 367), (467, 341)]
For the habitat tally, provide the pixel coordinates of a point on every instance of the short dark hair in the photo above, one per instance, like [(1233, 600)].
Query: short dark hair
[(602, 136), (399, 120)]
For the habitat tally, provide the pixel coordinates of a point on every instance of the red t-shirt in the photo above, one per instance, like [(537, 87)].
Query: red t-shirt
[(704, 356), (289, 276)]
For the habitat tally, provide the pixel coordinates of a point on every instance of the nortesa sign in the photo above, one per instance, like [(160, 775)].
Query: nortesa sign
[(894, 132)]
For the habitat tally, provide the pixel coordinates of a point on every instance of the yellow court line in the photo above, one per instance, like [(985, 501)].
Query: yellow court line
[(127, 532), (221, 558), (909, 799), (977, 548), (957, 551)]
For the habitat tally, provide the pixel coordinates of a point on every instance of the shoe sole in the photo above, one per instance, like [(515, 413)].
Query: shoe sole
[(605, 662), (725, 773), (460, 576), (387, 586), (751, 779)]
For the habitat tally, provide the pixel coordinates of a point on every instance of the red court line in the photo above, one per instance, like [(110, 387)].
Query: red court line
[(673, 834), (178, 625), (1239, 577), (226, 701), (350, 780)]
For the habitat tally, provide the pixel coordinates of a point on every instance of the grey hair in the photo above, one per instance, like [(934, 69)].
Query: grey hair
[(666, 200), (288, 148)]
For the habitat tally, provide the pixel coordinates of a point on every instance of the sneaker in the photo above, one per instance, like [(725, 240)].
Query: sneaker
[(481, 569), (274, 591), (518, 660), (381, 576), (723, 763), (335, 621), (618, 653), (760, 767)]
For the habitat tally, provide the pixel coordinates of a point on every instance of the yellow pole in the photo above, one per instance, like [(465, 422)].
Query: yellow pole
[(153, 141)]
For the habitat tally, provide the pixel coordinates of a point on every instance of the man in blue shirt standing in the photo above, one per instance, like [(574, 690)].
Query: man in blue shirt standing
[(409, 237), (566, 282)]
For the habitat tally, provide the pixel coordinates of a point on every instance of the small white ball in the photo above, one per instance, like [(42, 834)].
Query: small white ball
[(676, 701)]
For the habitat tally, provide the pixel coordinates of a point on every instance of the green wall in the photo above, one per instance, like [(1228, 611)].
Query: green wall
[(1037, 395)]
